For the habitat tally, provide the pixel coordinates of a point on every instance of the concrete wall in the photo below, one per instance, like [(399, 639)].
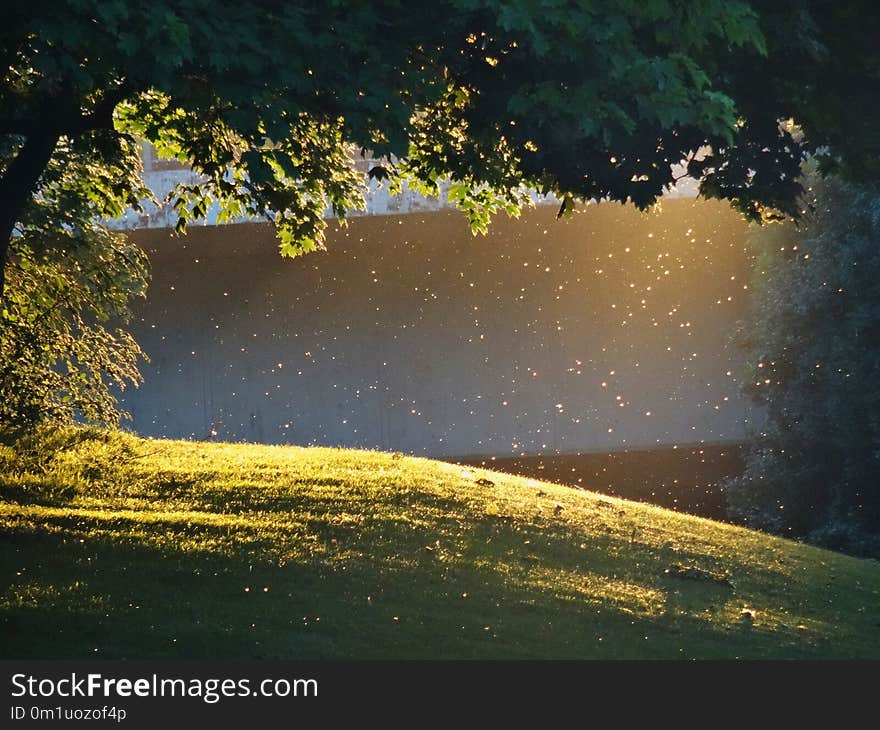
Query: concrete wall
[(605, 331)]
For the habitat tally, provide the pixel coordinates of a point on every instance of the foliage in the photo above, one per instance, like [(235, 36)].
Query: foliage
[(70, 284), (813, 343), (163, 549), (582, 99), (63, 351)]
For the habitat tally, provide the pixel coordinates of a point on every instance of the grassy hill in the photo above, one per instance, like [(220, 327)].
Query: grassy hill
[(116, 546)]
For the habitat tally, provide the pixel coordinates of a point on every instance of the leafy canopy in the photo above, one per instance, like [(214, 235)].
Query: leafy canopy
[(585, 99)]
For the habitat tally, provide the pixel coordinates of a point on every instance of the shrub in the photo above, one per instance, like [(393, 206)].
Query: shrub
[(812, 341)]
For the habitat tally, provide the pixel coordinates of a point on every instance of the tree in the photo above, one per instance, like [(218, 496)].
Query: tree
[(71, 281), (813, 346), (267, 99), (582, 99), (70, 285)]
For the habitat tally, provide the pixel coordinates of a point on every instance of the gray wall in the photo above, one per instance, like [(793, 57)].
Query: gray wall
[(410, 334)]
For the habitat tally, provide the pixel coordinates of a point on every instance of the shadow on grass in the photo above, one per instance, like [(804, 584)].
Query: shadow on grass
[(36, 491), (76, 587)]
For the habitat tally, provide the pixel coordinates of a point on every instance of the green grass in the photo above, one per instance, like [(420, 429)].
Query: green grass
[(116, 546)]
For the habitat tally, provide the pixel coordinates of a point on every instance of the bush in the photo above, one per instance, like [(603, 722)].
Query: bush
[(812, 341), (63, 350)]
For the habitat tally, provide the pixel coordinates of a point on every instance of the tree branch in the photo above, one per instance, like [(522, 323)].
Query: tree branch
[(101, 116), (19, 182), (23, 173)]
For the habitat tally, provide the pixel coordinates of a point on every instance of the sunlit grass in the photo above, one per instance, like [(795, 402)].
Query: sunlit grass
[(116, 546)]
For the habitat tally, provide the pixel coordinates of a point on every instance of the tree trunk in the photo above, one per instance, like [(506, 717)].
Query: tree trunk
[(17, 185)]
